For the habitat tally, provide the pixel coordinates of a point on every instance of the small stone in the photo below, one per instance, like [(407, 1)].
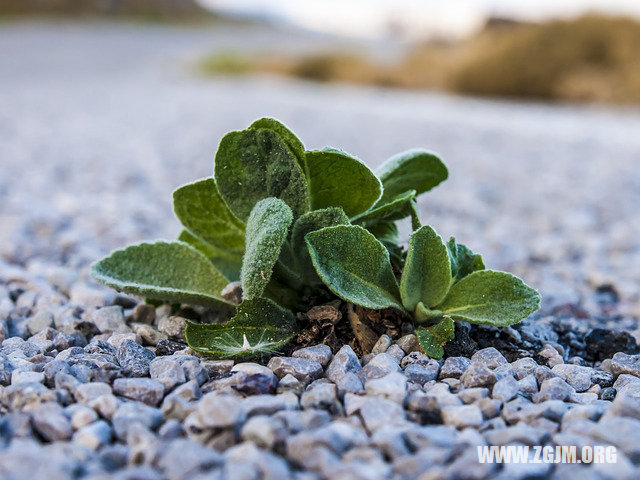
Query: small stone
[(144, 313), (421, 374), (349, 383), (575, 375), (553, 389), (381, 346), (49, 421), (116, 339), (88, 392), (265, 432), (22, 376), (173, 327), (409, 343), (391, 387), (523, 367), (135, 413), (602, 344), (543, 373), (520, 433), (602, 378), (528, 385), (477, 375), (134, 359), (217, 368), (167, 371), (490, 357), (82, 416), (144, 390), (220, 411), (472, 395), (344, 361), (232, 292), (505, 389), (454, 367), (379, 366), (622, 363), (93, 436), (608, 393), (624, 406), (462, 416), (289, 383), (322, 396), (550, 356), (303, 369), (148, 334), (109, 319), (269, 404), (378, 412), (41, 320)]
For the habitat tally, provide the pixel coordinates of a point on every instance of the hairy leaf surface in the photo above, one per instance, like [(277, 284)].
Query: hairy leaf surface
[(255, 164), (433, 338), (354, 265), (203, 213), (293, 142), (417, 169), (267, 230), (310, 222), (260, 327), (395, 209), (167, 271), (463, 260), (427, 270), (492, 298), (227, 264), (337, 179)]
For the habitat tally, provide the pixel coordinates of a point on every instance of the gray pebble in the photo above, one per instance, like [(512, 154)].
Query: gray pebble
[(303, 369), (134, 359), (145, 390), (317, 353)]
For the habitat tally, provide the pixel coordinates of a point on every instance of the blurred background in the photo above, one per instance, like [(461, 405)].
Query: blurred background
[(106, 106)]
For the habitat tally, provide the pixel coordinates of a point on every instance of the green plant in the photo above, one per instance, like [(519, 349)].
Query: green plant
[(291, 225)]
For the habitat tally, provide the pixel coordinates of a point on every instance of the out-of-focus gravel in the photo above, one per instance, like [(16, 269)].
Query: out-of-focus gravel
[(99, 123)]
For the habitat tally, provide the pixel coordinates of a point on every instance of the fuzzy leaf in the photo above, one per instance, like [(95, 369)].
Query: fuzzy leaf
[(255, 164), (228, 265), (433, 338), (418, 170), (259, 328), (201, 210), (293, 142), (427, 270), (167, 271), (310, 222), (463, 260), (337, 179), (491, 298), (267, 230), (354, 265), (387, 234), (395, 209)]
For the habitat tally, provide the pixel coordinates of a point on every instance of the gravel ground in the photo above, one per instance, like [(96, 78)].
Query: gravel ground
[(99, 123)]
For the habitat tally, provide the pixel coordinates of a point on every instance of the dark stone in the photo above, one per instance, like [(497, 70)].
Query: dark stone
[(608, 393), (257, 384), (168, 347), (134, 359), (602, 343), (602, 378)]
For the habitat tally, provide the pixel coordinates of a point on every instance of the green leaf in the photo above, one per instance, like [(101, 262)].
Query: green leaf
[(354, 265), (491, 298), (433, 338), (201, 210), (427, 270), (387, 234), (463, 260), (267, 230), (228, 265), (337, 179), (418, 170), (310, 222), (168, 271), (259, 328), (255, 164), (293, 142), (396, 209)]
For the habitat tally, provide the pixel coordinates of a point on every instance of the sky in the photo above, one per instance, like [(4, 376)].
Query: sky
[(376, 18)]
